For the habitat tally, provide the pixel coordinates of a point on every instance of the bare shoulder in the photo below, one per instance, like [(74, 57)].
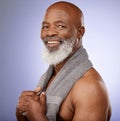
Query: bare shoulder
[(91, 84), (90, 98)]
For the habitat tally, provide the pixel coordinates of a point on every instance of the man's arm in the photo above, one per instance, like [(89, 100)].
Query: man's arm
[(90, 99)]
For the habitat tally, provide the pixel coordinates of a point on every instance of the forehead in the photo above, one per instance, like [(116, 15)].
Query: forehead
[(57, 15)]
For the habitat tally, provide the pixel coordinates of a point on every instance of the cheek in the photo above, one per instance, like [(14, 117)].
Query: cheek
[(42, 35), (65, 33)]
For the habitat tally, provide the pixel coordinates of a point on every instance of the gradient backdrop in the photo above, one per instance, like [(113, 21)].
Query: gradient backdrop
[(20, 46)]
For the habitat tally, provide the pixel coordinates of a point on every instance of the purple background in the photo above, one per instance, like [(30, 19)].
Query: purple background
[(20, 48)]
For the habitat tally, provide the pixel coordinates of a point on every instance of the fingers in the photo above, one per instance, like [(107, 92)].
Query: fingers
[(36, 107), (27, 93), (24, 101), (35, 96), (24, 98), (37, 89), (31, 98)]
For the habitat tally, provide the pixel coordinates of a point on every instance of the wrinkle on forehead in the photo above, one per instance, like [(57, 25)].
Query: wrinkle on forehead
[(57, 15)]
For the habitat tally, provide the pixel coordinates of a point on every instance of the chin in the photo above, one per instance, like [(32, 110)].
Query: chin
[(52, 49), (55, 54)]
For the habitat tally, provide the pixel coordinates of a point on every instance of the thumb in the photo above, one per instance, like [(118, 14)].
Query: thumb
[(43, 98), (43, 102), (37, 89)]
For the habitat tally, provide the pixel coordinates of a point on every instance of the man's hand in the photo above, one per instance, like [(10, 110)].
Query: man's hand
[(22, 105), (36, 108), (31, 106)]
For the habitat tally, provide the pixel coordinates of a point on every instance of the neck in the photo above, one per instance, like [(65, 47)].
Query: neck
[(58, 67)]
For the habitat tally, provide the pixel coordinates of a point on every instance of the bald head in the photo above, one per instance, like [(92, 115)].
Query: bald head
[(72, 10)]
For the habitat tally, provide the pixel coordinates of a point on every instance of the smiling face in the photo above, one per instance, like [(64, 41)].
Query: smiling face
[(60, 32), (56, 27)]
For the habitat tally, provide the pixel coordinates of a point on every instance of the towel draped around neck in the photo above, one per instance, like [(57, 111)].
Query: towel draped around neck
[(72, 71)]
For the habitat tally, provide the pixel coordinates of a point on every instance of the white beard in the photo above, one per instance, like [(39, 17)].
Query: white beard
[(57, 56)]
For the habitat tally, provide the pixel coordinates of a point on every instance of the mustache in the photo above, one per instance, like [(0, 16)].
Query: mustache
[(46, 39)]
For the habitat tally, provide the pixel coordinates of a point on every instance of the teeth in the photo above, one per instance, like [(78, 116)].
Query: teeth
[(53, 42)]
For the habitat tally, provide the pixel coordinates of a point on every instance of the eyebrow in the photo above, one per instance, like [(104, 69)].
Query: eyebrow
[(44, 22), (59, 21)]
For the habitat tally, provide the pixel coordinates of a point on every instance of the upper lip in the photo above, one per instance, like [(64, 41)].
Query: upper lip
[(53, 42)]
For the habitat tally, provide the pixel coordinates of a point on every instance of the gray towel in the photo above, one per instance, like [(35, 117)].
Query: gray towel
[(72, 71)]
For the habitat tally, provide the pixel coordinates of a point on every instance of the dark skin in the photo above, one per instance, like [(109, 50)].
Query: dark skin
[(88, 99)]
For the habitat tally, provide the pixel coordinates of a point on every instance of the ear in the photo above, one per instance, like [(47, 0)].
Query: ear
[(80, 32)]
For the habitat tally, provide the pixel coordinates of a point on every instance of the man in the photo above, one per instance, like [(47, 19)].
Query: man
[(83, 95)]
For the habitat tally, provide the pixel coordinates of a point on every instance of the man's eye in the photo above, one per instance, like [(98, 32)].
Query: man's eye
[(61, 26), (44, 27)]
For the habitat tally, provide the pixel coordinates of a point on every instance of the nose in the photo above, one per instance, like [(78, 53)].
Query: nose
[(52, 32)]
